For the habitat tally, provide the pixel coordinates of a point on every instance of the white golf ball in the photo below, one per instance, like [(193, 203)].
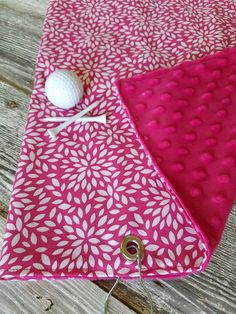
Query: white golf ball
[(64, 89)]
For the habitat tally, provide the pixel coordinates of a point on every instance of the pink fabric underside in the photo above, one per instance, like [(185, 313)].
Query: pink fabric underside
[(186, 117), (74, 199)]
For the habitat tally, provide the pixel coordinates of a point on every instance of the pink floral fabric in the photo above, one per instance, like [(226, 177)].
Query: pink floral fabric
[(75, 198)]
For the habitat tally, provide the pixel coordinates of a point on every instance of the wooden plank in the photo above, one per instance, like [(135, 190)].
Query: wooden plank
[(11, 129), (214, 291), (20, 27), (66, 296)]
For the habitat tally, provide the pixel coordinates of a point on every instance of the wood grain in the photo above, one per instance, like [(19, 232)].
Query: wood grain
[(214, 291)]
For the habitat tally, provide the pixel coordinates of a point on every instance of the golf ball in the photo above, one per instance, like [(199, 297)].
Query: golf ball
[(64, 89)]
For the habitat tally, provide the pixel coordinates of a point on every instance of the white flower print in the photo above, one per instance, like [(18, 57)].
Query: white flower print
[(149, 51), (86, 242), (113, 136), (90, 164), (93, 9)]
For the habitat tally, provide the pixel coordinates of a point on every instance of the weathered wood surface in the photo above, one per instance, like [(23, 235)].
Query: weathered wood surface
[(214, 291)]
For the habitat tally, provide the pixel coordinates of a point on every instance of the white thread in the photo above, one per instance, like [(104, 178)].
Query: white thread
[(142, 283), (109, 295), (139, 262)]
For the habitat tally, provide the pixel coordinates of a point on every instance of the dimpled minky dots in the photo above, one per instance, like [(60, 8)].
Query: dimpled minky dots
[(186, 118), (162, 169)]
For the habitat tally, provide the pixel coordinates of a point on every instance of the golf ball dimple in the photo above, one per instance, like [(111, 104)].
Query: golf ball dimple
[(64, 89)]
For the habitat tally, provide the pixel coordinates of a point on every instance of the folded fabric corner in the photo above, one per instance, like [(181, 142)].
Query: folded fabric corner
[(185, 118)]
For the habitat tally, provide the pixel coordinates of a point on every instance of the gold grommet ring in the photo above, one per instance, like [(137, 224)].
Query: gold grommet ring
[(134, 242)]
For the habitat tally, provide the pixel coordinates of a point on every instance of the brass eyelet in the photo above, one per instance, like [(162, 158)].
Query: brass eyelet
[(132, 239)]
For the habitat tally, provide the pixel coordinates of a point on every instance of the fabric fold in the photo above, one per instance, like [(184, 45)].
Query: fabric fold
[(185, 118)]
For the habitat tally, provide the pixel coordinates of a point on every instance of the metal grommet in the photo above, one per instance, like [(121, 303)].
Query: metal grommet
[(124, 249)]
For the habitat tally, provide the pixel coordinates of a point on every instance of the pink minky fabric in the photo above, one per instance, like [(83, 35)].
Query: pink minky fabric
[(75, 198), (186, 119)]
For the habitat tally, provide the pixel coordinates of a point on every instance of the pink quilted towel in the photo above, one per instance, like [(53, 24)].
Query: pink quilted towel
[(162, 171)]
